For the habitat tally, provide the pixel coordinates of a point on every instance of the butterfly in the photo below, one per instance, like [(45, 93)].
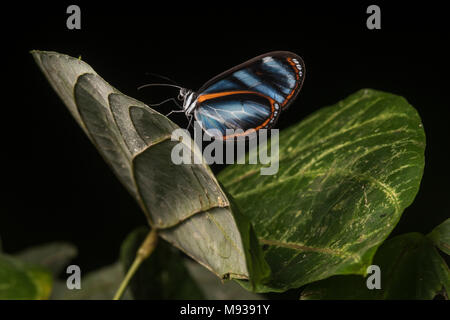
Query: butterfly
[(249, 96)]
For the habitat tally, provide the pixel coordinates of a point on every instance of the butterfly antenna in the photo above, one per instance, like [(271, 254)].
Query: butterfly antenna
[(159, 84), (174, 85), (161, 77)]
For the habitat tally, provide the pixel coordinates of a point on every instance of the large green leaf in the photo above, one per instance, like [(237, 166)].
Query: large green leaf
[(441, 236), (346, 173), (185, 202), (410, 268), (162, 275), (23, 281)]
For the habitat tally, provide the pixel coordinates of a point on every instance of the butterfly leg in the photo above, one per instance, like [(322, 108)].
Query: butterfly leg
[(174, 111), (162, 102)]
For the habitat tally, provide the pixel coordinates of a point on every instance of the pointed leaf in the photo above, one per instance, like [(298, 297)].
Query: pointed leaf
[(185, 202), (62, 72)]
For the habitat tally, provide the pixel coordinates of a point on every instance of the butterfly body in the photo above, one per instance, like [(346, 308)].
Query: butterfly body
[(248, 97)]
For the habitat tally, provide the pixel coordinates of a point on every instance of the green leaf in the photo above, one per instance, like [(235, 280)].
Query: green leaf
[(22, 281), (411, 268), (441, 236), (346, 173), (162, 275), (184, 202), (53, 256)]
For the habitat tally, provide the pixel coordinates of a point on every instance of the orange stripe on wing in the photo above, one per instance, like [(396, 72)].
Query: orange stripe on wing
[(208, 96)]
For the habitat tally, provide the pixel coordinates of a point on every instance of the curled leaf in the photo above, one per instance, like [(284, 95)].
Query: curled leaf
[(184, 202)]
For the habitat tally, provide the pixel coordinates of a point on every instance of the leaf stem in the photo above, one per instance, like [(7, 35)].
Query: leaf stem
[(144, 251)]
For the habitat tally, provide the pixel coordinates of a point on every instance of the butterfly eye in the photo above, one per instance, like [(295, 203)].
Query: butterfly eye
[(182, 94)]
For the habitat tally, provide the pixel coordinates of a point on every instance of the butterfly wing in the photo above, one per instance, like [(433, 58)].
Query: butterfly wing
[(243, 110), (251, 95)]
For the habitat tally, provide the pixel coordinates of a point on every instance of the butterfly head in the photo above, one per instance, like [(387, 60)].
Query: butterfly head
[(189, 99)]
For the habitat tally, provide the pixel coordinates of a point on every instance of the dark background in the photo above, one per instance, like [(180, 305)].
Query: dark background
[(58, 186)]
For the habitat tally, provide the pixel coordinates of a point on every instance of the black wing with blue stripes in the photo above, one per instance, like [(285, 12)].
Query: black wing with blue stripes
[(250, 95)]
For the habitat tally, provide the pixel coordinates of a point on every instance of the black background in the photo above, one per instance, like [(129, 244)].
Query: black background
[(58, 186)]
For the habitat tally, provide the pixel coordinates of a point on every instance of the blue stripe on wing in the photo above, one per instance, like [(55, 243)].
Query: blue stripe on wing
[(282, 73), (223, 85), (255, 82)]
